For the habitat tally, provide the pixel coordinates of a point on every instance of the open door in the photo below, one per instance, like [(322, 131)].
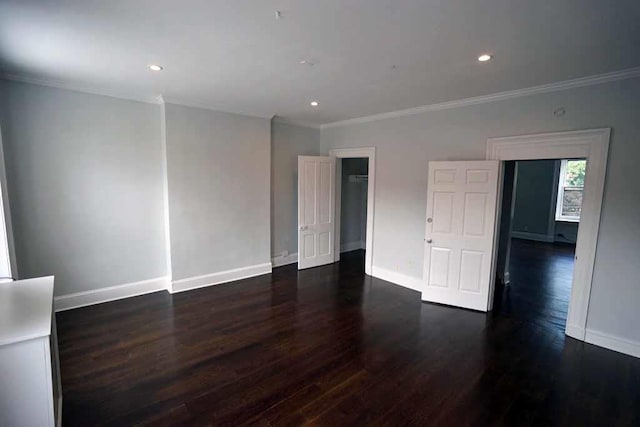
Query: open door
[(460, 233), (316, 211)]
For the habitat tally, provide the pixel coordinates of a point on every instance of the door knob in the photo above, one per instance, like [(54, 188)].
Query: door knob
[(304, 228), (429, 240)]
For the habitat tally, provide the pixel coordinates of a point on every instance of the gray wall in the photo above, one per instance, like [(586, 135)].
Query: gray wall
[(353, 202), (219, 190), (535, 184), (566, 232), (287, 143), (535, 206), (85, 184), (404, 146), (85, 187)]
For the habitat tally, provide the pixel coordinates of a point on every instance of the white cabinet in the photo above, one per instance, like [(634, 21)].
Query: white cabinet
[(30, 391)]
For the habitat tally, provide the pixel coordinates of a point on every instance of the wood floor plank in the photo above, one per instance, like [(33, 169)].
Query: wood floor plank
[(332, 346)]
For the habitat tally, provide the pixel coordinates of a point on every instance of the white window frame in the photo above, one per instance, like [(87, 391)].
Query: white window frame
[(560, 195)]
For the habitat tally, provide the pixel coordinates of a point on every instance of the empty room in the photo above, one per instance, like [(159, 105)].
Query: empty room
[(304, 212)]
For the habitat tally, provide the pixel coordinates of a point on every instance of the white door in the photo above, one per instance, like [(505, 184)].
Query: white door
[(460, 233), (316, 222)]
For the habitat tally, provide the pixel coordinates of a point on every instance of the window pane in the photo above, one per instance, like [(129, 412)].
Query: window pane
[(575, 173), (572, 201)]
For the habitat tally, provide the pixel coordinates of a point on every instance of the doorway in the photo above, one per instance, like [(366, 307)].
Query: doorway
[(353, 205), (541, 208), (319, 206), (592, 145), (368, 154)]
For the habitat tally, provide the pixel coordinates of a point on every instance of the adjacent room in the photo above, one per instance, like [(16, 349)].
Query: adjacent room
[(539, 230), (353, 205), (352, 210), (332, 212)]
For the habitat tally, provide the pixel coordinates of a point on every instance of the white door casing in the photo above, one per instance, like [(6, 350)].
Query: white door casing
[(7, 247), (354, 153), (316, 211), (593, 145), (460, 233)]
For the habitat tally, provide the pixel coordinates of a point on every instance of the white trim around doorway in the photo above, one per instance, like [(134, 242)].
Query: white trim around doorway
[(352, 153), (6, 241), (594, 146)]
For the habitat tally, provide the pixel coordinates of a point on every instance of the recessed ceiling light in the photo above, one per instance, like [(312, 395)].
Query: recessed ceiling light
[(484, 58), (154, 67), (314, 103)]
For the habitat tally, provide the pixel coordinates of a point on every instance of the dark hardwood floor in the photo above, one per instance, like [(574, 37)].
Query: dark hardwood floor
[(540, 289), (331, 346)]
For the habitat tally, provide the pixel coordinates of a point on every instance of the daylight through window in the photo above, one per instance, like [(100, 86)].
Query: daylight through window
[(570, 190)]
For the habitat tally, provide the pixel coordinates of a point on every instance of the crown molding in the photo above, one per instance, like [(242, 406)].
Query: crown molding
[(94, 90), (500, 96), (146, 98), (164, 99), (282, 120)]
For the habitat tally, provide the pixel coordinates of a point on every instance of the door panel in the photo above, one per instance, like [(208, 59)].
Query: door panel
[(460, 228), (442, 211), (316, 224), (309, 245), (326, 181), (470, 270), (324, 244), (474, 214), (445, 176), (309, 189), (440, 266)]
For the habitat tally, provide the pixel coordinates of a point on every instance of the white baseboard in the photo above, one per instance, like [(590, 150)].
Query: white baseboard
[(612, 342), (220, 277), (111, 293), (532, 236), (352, 246), (279, 261), (576, 332), (410, 282)]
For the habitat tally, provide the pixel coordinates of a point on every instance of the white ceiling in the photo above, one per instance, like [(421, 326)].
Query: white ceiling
[(235, 55)]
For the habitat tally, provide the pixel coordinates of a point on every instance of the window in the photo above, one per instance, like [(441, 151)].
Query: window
[(570, 190)]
